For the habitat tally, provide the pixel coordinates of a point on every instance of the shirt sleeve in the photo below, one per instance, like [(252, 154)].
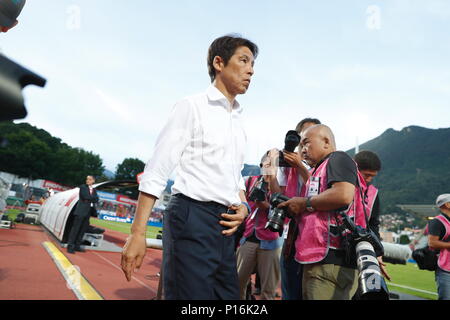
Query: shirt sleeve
[(436, 228), (242, 183), (169, 147), (282, 176), (341, 168)]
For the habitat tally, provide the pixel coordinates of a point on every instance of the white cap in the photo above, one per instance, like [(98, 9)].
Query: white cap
[(442, 199)]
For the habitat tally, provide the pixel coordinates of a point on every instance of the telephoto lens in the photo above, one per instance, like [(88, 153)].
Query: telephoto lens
[(371, 281), (277, 216), (276, 220)]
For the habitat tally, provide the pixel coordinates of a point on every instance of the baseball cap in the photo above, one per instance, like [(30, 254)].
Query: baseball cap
[(442, 199), (9, 11)]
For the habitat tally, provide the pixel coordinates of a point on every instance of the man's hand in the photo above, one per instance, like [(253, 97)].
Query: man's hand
[(263, 205), (293, 158), (234, 220), (295, 206), (383, 268), (133, 254)]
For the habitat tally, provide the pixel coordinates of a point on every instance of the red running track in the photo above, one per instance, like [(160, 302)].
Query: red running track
[(27, 272)]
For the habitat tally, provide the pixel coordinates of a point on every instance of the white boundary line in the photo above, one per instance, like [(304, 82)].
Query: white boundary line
[(413, 289)]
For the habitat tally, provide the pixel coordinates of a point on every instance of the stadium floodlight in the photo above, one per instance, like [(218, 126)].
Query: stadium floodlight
[(13, 78)]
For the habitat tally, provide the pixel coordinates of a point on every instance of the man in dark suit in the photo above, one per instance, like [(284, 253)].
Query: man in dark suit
[(83, 211)]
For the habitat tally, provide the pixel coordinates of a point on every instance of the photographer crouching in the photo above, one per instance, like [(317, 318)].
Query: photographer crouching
[(328, 273)]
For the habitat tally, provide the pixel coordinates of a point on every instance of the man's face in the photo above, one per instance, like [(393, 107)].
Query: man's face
[(305, 126), (237, 74), (368, 175), (312, 147), (90, 180)]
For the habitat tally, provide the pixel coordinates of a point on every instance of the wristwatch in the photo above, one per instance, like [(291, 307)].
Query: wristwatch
[(248, 207), (309, 206)]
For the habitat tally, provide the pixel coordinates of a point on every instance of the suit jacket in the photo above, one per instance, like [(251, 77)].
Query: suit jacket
[(84, 208)]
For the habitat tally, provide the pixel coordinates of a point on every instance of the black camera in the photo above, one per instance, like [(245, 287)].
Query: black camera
[(259, 190), (291, 142), (364, 246), (13, 78), (277, 216)]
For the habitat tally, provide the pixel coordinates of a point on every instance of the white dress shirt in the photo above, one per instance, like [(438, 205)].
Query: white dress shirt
[(204, 140)]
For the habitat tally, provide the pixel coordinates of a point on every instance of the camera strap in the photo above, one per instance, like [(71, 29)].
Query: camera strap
[(354, 207), (340, 225), (363, 204), (247, 186)]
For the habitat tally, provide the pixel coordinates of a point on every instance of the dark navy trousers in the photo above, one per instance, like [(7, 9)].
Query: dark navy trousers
[(291, 278), (199, 263)]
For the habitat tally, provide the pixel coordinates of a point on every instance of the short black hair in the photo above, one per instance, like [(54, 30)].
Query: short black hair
[(225, 47), (306, 120), (368, 160)]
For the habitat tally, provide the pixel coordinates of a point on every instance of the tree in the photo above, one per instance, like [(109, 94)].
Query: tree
[(34, 153), (129, 169), (75, 164), (25, 155), (404, 239)]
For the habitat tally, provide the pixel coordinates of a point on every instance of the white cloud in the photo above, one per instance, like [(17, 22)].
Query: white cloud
[(115, 106), (356, 72)]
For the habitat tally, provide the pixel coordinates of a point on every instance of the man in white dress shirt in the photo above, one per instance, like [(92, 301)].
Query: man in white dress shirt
[(204, 140)]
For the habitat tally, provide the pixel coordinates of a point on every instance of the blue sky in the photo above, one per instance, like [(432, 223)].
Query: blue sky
[(116, 68)]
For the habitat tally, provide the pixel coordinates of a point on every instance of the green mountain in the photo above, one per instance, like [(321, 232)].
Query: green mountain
[(415, 165)]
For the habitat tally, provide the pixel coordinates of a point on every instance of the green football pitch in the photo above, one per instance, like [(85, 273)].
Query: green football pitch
[(124, 227), (411, 280)]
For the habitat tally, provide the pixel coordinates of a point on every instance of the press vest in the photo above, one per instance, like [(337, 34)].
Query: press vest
[(444, 254), (292, 190), (257, 220), (315, 237), (292, 183), (371, 195)]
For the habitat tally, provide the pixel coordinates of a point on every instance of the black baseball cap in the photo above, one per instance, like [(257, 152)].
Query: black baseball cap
[(9, 11)]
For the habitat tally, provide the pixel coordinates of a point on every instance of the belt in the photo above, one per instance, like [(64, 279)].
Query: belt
[(207, 203)]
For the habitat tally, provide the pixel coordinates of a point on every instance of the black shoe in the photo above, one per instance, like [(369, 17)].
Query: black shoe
[(70, 250), (79, 249)]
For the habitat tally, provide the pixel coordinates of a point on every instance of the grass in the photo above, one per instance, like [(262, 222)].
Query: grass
[(123, 227), (410, 275), (12, 213)]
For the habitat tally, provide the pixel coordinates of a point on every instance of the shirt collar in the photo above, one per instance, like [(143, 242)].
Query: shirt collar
[(322, 161), (214, 94)]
